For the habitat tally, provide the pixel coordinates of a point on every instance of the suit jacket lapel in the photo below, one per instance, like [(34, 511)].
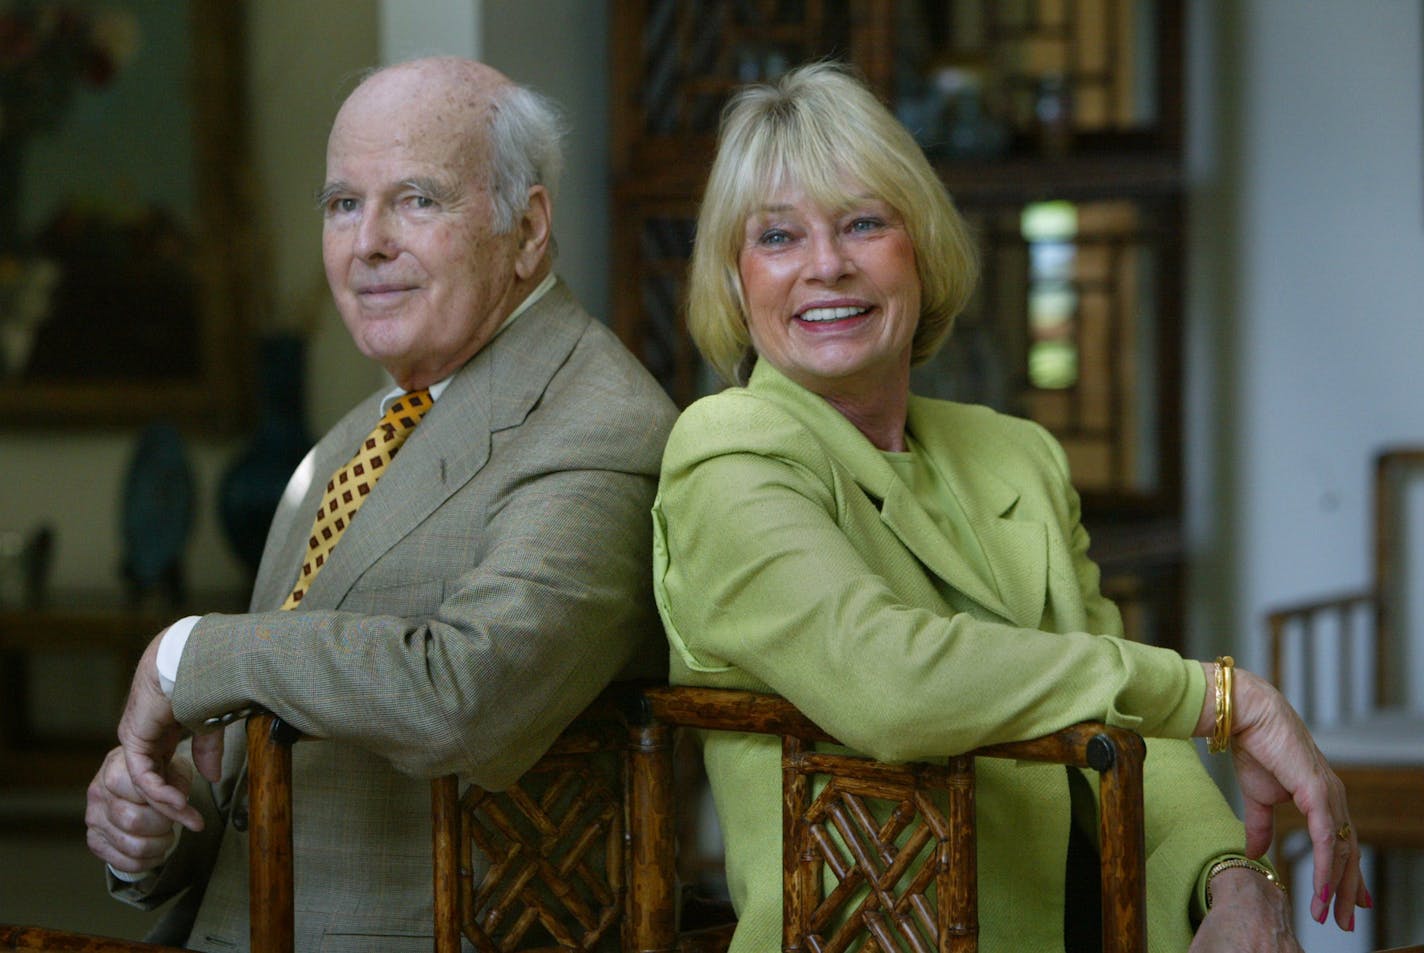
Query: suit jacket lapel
[(291, 524), (495, 390)]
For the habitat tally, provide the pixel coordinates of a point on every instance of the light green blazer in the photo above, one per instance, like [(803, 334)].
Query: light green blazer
[(789, 557)]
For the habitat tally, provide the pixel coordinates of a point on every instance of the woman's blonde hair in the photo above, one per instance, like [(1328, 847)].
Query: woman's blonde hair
[(820, 128)]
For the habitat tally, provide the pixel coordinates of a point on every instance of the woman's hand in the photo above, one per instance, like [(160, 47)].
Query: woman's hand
[(1248, 914), (1277, 761)]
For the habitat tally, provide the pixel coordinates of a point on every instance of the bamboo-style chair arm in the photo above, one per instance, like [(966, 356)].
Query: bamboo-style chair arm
[(1086, 745), (272, 892), (41, 940)]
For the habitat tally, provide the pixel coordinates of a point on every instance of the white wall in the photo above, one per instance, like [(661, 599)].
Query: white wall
[(1306, 315), (568, 64), (1306, 322)]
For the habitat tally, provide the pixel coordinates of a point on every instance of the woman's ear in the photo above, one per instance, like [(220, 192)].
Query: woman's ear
[(536, 229)]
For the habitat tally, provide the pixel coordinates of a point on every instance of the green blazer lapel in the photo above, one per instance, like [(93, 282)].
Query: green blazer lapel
[(496, 390), (1015, 545), (903, 515), (1015, 594)]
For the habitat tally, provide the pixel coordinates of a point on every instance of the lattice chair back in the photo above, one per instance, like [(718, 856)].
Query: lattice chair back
[(555, 845), (861, 876), (882, 858)]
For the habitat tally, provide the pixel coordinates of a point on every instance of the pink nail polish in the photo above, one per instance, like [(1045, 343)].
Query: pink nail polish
[(1351, 925), (1325, 894), (1320, 917), (1369, 902)]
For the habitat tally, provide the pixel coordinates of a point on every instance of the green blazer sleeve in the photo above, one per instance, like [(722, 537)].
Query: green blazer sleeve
[(774, 570), (785, 560)]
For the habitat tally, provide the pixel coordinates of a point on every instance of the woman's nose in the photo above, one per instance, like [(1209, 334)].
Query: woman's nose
[(828, 260)]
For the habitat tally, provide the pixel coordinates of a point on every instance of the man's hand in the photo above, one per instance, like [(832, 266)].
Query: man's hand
[(1248, 914), (123, 830), (149, 734)]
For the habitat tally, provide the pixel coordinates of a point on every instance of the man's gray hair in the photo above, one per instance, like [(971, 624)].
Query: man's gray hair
[(525, 133)]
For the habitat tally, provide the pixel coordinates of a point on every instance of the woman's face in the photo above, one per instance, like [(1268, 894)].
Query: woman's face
[(832, 295)]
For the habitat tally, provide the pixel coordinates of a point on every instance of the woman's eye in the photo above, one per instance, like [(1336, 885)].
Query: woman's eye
[(866, 224), (774, 236)]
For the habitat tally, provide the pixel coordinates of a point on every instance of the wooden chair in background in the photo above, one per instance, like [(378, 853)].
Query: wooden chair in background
[(1338, 659)]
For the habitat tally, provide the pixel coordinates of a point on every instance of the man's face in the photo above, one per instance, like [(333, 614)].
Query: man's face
[(419, 275)]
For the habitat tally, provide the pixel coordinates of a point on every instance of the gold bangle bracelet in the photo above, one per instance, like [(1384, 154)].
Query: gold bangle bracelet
[(1230, 862), (1221, 734)]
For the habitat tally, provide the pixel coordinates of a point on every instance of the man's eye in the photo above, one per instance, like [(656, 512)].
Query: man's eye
[(422, 201), (342, 204)]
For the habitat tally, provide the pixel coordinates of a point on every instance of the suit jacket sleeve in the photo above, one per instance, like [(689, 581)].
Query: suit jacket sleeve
[(473, 639)]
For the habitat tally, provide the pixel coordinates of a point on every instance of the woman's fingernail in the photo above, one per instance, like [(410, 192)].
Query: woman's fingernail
[(1325, 894), (1368, 902), (1320, 917), (1351, 925)]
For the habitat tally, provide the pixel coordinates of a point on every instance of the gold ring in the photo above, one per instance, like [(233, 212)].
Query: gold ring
[(1344, 832)]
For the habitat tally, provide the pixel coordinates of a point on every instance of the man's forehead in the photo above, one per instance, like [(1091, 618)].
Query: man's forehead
[(440, 90), (448, 139)]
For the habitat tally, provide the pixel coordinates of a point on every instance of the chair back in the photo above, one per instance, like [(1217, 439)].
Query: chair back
[(1399, 571), (1338, 658), (855, 873), (582, 851)]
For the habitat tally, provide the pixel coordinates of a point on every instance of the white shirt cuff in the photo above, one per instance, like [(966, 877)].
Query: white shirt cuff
[(170, 653)]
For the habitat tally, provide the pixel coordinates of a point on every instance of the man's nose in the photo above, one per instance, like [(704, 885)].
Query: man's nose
[(375, 235)]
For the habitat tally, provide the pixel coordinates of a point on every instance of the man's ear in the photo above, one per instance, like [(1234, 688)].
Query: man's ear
[(536, 230)]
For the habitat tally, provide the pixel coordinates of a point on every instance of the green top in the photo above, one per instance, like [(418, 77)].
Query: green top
[(790, 557)]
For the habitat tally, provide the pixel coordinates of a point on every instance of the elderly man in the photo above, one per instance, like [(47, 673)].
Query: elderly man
[(489, 585)]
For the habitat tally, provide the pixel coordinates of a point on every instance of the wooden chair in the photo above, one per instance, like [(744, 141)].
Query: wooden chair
[(884, 869), (584, 847), (1336, 659)]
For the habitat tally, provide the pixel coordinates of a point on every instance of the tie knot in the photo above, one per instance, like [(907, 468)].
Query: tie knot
[(407, 410)]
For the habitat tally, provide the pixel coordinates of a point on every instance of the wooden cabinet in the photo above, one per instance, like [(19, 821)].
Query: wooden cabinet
[(1057, 127)]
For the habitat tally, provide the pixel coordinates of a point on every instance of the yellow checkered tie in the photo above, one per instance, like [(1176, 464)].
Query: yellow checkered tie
[(350, 485)]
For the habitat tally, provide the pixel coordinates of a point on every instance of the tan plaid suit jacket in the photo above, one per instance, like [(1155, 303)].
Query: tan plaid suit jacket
[(495, 581)]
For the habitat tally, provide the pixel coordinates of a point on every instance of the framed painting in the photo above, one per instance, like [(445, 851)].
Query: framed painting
[(125, 245)]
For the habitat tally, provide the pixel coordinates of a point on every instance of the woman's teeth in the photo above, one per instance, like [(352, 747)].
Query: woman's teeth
[(830, 314)]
